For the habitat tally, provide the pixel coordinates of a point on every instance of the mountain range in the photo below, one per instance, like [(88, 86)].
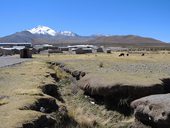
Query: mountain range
[(44, 35)]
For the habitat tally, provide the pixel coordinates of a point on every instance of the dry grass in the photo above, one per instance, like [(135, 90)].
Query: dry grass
[(81, 108), (4, 101), (114, 67), (112, 57), (89, 115), (60, 74), (20, 84), (30, 92), (85, 121)]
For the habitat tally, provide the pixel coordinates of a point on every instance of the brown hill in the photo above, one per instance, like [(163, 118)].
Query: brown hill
[(128, 41)]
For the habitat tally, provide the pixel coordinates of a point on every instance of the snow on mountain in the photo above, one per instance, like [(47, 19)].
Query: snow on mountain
[(67, 33), (101, 35), (43, 30), (48, 31)]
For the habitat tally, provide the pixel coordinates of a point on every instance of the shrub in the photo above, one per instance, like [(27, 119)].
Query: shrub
[(61, 74), (101, 65)]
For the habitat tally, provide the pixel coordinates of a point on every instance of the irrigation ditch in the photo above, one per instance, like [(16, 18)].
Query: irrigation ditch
[(115, 98)]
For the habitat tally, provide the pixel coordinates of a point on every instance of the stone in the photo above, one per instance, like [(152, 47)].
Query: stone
[(153, 110)]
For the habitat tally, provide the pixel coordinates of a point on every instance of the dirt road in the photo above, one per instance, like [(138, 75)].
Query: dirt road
[(10, 60)]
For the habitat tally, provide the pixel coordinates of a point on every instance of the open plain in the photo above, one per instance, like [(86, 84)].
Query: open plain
[(33, 93)]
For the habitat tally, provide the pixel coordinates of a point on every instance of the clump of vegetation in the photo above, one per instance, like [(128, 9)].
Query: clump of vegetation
[(124, 102), (61, 74), (64, 120), (88, 123), (101, 65), (83, 120), (3, 101), (124, 106)]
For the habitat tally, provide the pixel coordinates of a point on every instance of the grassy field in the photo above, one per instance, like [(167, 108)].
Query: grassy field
[(109, 70), (133, 70), (20, 86)]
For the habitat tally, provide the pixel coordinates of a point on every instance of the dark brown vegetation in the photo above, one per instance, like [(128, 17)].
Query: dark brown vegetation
[(52, 90), (118, 97), (143, 54), (121, 54), (44, 105)]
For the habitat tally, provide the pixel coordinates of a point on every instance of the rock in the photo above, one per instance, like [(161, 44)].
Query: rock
[(82, 74), (78, 74), (138, 124), (67, 70), (92, 102), (153, 111), (42, 109)]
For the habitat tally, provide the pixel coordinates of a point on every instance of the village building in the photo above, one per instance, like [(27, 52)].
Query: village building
[(10, 45), (100, 49), (63, 48), (11, 50), (5, 52), (83, 50), (26, 53), (108, 51), (118, 49)]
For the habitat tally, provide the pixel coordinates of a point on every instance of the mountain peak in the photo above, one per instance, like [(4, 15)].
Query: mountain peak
[(43, 30)]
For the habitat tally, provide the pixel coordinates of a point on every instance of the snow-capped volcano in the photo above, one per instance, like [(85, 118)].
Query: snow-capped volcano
[(48, 31), (43, 30)]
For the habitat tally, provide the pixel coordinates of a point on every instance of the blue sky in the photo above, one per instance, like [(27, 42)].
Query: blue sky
[(149, 18)]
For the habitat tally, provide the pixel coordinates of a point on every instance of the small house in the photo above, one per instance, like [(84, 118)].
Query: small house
[(64, 48), (99, 49), (26, 53), (6, 51), (108, 51), (87, 50), (83, 50)]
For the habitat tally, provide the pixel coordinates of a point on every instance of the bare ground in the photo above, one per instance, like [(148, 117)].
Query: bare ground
[(19, 88)]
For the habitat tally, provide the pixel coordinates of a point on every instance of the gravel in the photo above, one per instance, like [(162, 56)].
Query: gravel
[(142, 67)]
